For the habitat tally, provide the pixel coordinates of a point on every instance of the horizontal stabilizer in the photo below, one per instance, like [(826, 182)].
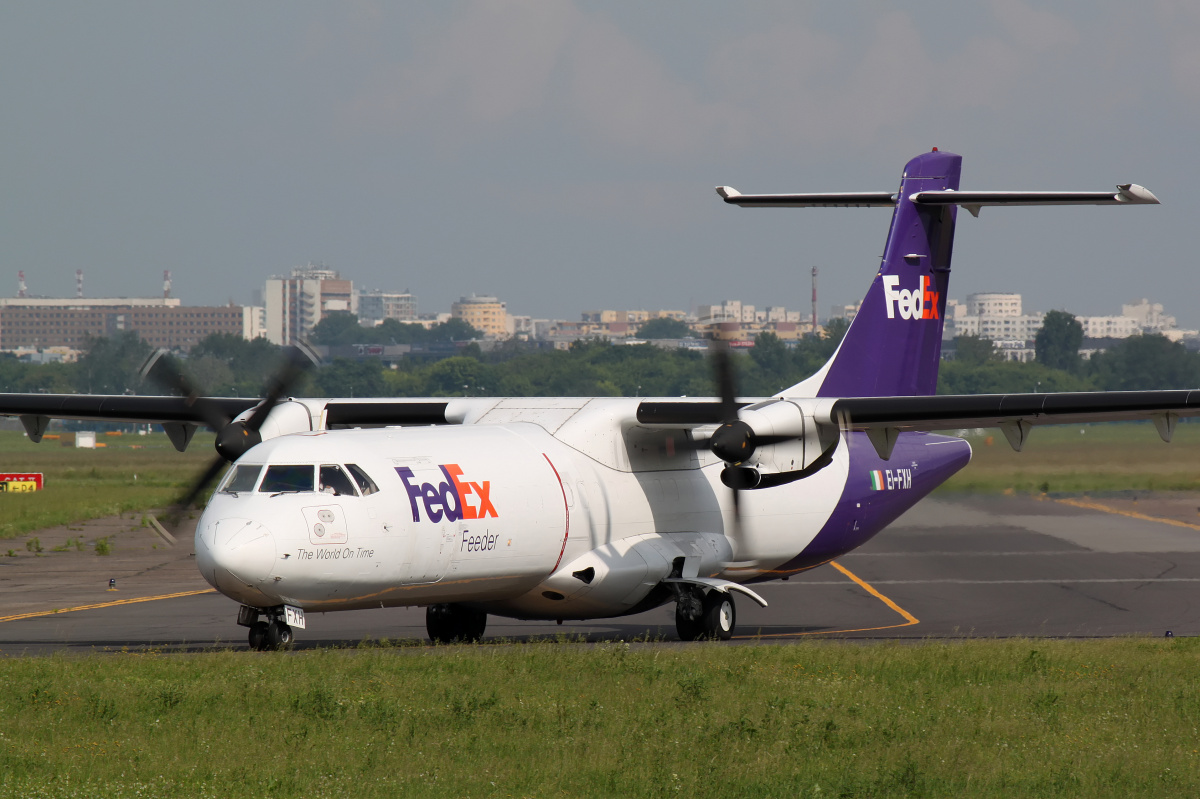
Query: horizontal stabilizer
[(1126, 194), (847, 199)]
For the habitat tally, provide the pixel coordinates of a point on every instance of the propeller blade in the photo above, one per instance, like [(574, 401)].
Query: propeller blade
[(298, 361), (726, 382), (163, 370), (202, 482)]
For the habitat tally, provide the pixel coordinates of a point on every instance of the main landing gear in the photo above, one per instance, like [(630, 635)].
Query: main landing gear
[(701, 614), (449, 623), (268, 635)]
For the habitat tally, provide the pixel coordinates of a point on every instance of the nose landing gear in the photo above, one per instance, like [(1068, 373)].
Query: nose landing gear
[(266, 636)]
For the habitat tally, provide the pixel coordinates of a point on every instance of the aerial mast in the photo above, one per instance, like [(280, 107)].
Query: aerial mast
[(21, 284), (814, 301)]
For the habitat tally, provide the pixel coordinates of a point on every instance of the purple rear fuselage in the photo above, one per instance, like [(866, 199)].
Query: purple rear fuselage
[(920, 463)]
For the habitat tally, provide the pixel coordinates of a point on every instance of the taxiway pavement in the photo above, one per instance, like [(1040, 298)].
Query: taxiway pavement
[(953, 567)]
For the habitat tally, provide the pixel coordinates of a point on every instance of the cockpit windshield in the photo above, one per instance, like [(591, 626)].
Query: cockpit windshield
[(365, 483), (334, 481), (241, 478), (287, 479)]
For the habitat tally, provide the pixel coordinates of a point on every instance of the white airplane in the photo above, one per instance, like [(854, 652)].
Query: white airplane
[(584, 508)]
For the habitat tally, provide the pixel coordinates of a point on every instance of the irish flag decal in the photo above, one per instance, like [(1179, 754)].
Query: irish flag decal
[(877, 483)]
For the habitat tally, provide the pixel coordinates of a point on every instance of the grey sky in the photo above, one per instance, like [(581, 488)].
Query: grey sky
[(563, 155)]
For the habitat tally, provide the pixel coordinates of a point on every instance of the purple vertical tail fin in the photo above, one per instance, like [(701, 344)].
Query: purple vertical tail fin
[(894, 344)]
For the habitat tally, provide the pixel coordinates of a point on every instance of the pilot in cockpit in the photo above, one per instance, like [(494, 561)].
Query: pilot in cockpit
[(332, 480)]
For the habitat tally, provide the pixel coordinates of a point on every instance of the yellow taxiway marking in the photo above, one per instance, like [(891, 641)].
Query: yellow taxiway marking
[(909, 619), (1089, 505), (99, 605)]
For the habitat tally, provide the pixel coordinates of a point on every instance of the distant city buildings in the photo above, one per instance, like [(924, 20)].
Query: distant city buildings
[(38, 324), (1000, 318), (297, 302), (288, 307)]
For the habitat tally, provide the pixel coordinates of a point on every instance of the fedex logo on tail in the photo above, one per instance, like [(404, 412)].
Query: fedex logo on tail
[(920, 303), (452, 499)]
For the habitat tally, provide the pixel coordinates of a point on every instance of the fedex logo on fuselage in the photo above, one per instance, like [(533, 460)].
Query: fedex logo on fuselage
[(448, 499), (920, 303)]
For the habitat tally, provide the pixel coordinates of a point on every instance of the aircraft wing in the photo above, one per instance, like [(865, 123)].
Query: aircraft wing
[(956, 411), (883, 418), (115, 408)]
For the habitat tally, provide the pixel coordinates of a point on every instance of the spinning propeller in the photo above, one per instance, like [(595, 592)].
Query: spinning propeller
[(735, 442), (234, 438)]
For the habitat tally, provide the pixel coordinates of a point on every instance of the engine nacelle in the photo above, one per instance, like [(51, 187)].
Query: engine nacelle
[(285, 418), (791, 438)]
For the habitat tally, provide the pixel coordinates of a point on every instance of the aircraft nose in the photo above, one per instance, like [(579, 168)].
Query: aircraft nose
[(236, 556)]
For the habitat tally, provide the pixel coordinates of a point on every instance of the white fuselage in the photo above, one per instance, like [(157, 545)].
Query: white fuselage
[(506, 516)]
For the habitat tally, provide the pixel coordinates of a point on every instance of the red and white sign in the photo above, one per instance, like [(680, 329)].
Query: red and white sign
[(16, 483)]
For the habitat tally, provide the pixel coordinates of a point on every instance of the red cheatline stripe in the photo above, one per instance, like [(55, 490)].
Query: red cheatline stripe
[(566, 513)]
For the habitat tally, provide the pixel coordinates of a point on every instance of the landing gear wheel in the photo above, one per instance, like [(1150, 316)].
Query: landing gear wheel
[(474, 623), (689, 613), (279, 635), (449, 623), (720, 615), (258, 635)]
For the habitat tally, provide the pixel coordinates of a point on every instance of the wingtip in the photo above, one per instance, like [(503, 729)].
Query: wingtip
[(1133, 193), (728, 192)]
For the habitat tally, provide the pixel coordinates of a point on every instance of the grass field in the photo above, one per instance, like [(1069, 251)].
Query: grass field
[(91, 483), (1084, 458), (1105, 718)]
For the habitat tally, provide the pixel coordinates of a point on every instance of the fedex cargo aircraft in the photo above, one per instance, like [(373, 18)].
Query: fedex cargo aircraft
[(581, 508)]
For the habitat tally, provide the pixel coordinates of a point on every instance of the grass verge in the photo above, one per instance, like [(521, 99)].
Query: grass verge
[(1083, 458), (981, 718), (130, 474)]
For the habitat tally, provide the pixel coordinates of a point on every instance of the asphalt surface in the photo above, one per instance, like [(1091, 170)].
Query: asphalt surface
[(950, 568)]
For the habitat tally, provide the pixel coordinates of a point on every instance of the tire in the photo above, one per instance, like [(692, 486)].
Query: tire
[(689, 616), (258, 635), (439, 623), (450, 623), (279, 635), (474, 622), (720, 615)]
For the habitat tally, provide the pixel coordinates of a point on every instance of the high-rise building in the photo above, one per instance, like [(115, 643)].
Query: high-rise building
[(486, 314), (296, 303), (375, 306)]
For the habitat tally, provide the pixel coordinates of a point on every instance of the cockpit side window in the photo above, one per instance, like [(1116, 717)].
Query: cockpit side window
[(334, 481), (364, 482), (287, 479), (241, 478)]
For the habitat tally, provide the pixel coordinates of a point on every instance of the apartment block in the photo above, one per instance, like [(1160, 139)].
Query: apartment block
[(38, 324), (297, 302), (484, 313), (375, 306)]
